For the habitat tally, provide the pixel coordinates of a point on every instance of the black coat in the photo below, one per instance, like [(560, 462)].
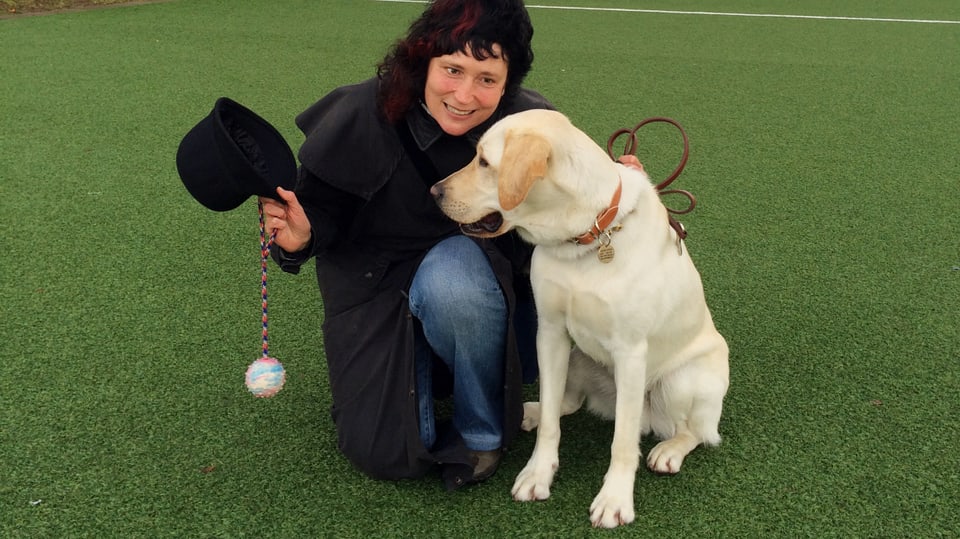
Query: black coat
[(364, 185)]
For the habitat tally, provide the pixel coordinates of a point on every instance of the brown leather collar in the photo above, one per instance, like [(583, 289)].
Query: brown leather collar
[(603, 220)]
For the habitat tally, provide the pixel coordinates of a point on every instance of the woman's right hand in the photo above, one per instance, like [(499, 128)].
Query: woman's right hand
[(288, 220)]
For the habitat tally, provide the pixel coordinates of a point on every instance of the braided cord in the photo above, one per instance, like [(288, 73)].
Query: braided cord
[(264, 255)]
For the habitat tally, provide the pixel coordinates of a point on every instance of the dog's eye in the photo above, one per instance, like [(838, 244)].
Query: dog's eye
[(483, 163)]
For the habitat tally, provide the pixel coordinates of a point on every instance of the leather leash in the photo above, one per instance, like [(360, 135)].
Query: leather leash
[(630, 147)]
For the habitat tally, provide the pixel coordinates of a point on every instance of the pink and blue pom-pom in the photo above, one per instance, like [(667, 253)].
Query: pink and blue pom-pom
[(265, 377)]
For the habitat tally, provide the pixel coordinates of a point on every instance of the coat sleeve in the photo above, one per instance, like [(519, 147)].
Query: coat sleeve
[(330, 211)]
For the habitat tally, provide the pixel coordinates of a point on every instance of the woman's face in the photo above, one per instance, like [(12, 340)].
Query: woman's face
[(462, 92)]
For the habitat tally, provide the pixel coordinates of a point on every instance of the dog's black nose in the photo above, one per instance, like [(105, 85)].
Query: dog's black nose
[(437, 191)]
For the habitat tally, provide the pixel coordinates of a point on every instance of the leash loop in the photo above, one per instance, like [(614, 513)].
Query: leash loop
[(630, 147)]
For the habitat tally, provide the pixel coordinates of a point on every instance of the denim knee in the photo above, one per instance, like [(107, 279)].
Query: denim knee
[(455, 290)]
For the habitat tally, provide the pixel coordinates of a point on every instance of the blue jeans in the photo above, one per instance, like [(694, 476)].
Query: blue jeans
[(462, 310)]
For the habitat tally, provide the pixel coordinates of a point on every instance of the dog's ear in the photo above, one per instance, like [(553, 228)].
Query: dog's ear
[(524, 162)]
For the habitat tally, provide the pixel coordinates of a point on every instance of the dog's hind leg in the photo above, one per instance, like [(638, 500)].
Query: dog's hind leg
[(574, 391), (685, 411), (531, 415), (572, 401), (667, 456)]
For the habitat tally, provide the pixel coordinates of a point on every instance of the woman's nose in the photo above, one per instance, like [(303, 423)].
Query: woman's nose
[(464, 91)]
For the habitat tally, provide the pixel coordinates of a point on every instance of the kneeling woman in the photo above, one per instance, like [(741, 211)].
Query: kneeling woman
[(413, 308)]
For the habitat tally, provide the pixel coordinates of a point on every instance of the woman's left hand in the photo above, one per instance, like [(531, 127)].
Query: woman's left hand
[(631, 161)]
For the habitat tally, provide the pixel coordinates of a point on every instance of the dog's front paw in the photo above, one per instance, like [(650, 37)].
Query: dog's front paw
[(531, 416), (613, 506), (533, 482)]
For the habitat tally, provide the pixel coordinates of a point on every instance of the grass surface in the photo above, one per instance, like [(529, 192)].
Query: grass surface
[(824, 157)]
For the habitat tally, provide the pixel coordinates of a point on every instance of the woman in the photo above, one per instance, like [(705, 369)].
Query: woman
[(411, 306)]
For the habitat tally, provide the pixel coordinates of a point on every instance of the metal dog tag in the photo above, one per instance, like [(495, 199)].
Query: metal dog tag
[(605, 253)]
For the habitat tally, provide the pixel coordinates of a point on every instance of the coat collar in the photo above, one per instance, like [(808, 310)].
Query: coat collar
[(426, 131)]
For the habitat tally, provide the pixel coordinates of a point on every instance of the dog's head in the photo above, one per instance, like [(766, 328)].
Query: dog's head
[(533, 171)]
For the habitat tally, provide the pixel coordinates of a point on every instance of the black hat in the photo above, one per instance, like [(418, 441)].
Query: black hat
[(233, 154)]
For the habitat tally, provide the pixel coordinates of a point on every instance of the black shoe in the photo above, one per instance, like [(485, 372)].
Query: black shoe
[(485, 464)]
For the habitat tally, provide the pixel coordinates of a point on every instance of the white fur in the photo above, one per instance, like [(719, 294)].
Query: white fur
[(647, 353)]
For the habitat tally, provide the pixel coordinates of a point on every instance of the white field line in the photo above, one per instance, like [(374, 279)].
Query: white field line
[(718, 13)]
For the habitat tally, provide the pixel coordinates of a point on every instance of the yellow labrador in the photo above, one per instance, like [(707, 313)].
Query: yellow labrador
[(609, 273)]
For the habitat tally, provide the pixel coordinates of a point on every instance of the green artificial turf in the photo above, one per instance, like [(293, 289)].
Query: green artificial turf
[(824, 158)]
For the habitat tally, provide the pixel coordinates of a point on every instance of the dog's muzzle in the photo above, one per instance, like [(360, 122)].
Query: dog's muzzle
[(486, 226)]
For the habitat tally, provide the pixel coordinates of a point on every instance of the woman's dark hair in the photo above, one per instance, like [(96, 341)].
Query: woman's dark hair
[(449, 26)]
